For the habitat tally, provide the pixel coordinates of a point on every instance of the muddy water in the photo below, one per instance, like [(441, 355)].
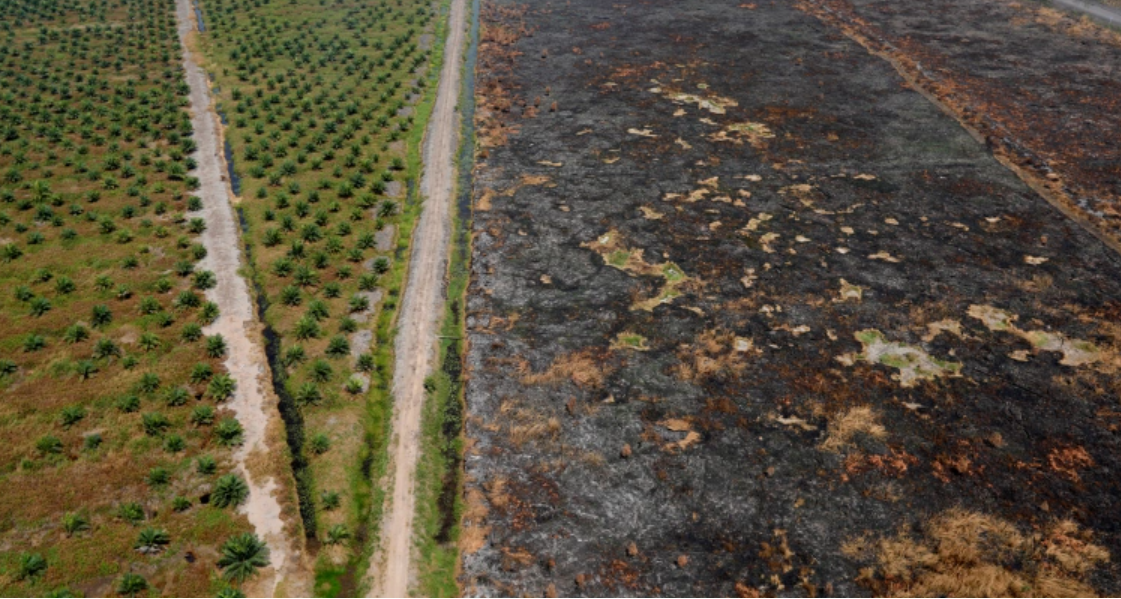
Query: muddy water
[(231, 172)]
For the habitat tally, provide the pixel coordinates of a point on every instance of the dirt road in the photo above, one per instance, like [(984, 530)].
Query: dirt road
[(390, 569), (246, 360)]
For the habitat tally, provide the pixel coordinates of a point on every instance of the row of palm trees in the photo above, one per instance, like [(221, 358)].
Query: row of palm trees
[(241, 556), (97, 221), (314, 106)]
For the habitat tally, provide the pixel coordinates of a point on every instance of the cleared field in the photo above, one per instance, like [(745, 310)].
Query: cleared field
[(115, 445), (749, 315)]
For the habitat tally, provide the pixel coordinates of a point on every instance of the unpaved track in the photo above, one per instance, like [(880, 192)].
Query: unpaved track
[(246, 359), (391, 568)]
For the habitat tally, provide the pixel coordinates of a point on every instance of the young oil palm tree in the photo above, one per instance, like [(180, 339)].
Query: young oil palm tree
[(242, 555)]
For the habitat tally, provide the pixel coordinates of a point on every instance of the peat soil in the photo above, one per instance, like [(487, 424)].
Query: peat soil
[(748, 313)]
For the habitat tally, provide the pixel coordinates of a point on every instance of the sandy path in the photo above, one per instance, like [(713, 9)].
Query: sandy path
[(246, 359), (391, 569)]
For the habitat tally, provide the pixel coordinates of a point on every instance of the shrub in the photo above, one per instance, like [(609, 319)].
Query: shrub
[(205, 279), (49, 445), (215, 346), (180, 504), (380, 265), (321, 371), (187, 299), (338, 346), (151, 540), (8, 367), (294, 355), (291, 296), (40, 306), (158, 476), (31, 566), (73, 523), (337, 534), (149, 342), (209, 313), (174, 444), (34, 342), (131, 512), (101, 316), (176, 396), (317, 309), (368, 282), (206, 465), (359, 303), (155, 424), (85, 369), (149, 305), (75, 333), (319, 444), (130, 584), (202, 415), (229, 432), (329, 500), (221, 387), (65, 285), (308, 394), (229, 491), (242, 555), (91, 442), (307, 328), (201, 372), (72, 415), (128, 403), (149, 382), (105, 348)]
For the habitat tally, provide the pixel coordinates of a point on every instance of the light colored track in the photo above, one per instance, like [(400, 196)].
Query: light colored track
[(391, 569), (246, 361)]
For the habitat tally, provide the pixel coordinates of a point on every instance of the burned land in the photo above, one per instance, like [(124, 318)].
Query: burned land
[(751, 315)]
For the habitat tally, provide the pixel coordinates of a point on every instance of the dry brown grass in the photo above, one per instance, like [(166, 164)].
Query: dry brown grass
[(522, 433), (496, 492), (525, 425), (711, 353), (475, 529), (583, 367), (861, 420), (968, 554), (1069, 460)]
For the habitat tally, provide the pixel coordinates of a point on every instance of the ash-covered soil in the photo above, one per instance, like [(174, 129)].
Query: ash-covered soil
[(751, 317), (1042, 86)]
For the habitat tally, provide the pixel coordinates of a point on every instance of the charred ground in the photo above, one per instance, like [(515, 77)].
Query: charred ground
[(751, 316)]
